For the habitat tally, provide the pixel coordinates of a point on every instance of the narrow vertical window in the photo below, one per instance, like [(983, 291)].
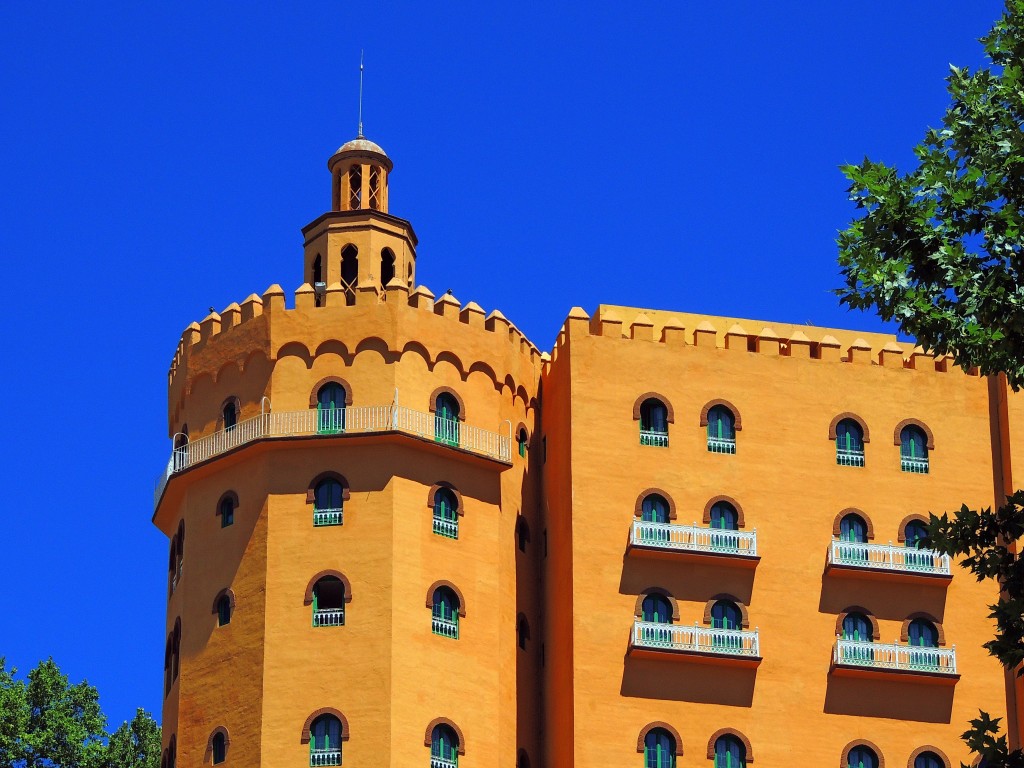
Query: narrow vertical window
[(924, 638), (446, 514), (325, 741), (726, 622), (444, 747), (656, 613), (220, 748), (355, 187), (387, 266), (330, 409), (328, 502), (721, 430), (659, 749), (856, 646), (329, 602), (227, 512), (230, 416), (914, 534), (730, 753), (849, 444), (724, 521), (446, 420), (913, 450), (653, 423), (349, 272), (522, 440), (223, 611), (445, 613)]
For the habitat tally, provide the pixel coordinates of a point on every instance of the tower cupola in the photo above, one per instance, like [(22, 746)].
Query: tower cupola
[(359, 176)]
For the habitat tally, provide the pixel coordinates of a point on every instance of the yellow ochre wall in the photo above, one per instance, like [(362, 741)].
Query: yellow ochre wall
[(575, 697), (785, 478)]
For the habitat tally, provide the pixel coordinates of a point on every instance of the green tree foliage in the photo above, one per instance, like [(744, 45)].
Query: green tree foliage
[(46, 722), (939, 251)]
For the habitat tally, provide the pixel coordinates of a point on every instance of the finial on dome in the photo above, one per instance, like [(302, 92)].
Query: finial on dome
[(359, 134)]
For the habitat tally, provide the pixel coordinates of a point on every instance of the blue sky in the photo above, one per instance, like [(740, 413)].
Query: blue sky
[(158, 159)]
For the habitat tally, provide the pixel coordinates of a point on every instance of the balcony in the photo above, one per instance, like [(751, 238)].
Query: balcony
[(320, 757), (329, 617), (372, 419), (722, 445), (323, 517), (851, 558), (676, 540), (436, 761), (850, 457), (659, 439), (916, 466), (700, 644), (447, 528), (445, 627), (858, 658)]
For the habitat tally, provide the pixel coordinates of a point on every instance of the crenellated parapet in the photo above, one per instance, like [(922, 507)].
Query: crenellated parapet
[(717, 333), (393, 324)]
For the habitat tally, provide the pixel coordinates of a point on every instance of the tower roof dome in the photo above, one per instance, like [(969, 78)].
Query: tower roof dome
[(361, 144)]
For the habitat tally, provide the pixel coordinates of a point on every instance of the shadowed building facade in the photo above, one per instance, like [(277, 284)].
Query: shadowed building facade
[(401, 535)]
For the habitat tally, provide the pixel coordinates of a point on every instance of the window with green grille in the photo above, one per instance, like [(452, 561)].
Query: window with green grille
[(862, 757), (330, 408), (446, 419), (730, 752), (445, 613), (659, 749), (446, 514), (444, 746), (325, 741)]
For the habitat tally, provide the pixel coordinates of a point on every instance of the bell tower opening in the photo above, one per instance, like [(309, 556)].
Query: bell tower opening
[(387, 266), (349, 272), (355, 187)]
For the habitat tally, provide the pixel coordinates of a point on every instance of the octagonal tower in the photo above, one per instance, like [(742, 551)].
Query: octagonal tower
[(351, 506)]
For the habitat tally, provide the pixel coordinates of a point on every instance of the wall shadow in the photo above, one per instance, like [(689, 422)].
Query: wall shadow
[(888, 600), (677, 679), (689, 580), (896, 700)]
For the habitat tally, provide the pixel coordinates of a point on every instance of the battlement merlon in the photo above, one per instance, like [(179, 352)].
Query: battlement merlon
[(727, 333), (394, 317)]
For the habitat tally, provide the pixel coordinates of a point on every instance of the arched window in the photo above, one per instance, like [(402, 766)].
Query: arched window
[(330, 409), (725, 614), (329, 602), (721, 430), (355, 187), (724, 518), (223, 610), (656, 608), (522, 439), (446, 419), (849, 444), (857, 627), (853, 528), (168, 656), (325, 741), (446, 514), (230, 414), (914, 533), (387, 266), (328, 500), (928, 760), (923, 635), (522, 759), (730, 752), (444, 747), (172, 753), (522, 534), (659, 749), (220, 748), (862, 757), (349, 272), (653, 423), (176, 650), (654, 509), (445, 619), (227, 511), (913, 450), (522, 632), (857, 637)]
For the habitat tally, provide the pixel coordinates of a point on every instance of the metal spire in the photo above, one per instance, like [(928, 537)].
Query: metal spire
[(360, 135)]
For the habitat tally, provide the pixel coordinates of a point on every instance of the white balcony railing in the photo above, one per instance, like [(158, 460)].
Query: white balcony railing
[(722, 444), (361, 420), (447, 528), (692, 538), (445, 627), (696, 639), (850, 457), (323, 517), (659, 439), (907, 658), (889, 557), (329, 617), (916, 465), (322, 757), (436, 761)]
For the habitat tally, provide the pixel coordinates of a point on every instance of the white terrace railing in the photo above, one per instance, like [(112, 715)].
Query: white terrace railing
[(692, 538), (906, 658), (436, 761), (364, 419), (889, 557), (696, 639), (850, 457), (916, 465), (325, 756), (652, 437)]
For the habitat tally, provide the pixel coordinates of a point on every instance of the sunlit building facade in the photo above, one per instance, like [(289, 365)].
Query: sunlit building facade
[(402, 535)]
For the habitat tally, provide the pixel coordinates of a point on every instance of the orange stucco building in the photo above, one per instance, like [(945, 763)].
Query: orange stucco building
[(401, 535)]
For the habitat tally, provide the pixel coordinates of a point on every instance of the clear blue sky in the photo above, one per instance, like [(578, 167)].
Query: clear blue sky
[(158, 159)]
